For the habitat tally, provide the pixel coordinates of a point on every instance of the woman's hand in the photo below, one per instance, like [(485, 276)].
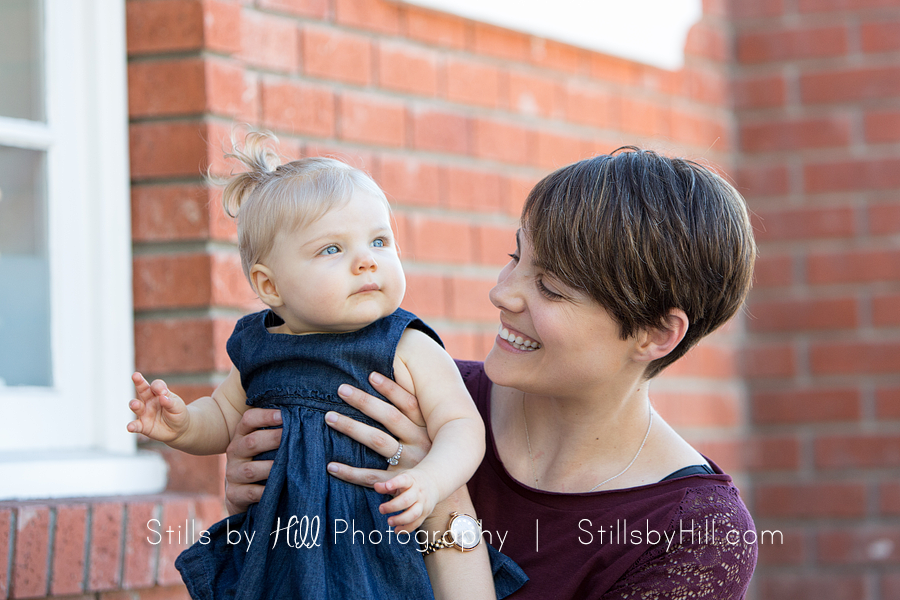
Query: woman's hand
[(403, 420), (242, 473)]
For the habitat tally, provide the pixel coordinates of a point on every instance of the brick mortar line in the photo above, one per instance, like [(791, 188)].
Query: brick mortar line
[(494, 218), (809, 433), (211, 378), (123, 535), (173, 55), (51, 539), (817, 65), (174, 248), (88, 521), (198, 181), (11, 548), (803, 21), (198, 118), (155, 553), (206, 312)]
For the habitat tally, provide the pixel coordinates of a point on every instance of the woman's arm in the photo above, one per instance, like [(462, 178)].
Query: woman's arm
[(456, 574)]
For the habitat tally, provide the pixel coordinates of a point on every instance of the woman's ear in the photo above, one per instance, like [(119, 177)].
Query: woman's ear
[(262, 279), (658, 342)]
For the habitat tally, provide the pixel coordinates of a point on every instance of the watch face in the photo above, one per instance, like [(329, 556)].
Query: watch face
[(465, 531)]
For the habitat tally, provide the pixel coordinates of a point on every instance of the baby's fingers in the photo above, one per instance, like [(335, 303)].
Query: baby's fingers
[(159, 388), (141, 386), (395, 484), (400, 502), (409, 519)]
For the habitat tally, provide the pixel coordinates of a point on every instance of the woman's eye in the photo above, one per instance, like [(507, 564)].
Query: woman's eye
[(546, 292), (378, 243), (330, 250), (514, 256)]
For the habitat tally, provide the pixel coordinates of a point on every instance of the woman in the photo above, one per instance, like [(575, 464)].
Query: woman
[(622, 264)]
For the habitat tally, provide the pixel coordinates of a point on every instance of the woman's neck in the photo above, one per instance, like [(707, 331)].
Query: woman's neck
[(570, 444)]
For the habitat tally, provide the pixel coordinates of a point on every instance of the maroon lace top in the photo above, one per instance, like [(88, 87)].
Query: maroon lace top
[(689, 537)]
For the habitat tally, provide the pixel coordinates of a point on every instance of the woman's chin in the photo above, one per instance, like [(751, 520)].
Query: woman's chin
[(500, 368)]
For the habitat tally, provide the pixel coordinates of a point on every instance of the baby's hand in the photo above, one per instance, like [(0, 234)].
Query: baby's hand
[(161, 415), (416, 494)]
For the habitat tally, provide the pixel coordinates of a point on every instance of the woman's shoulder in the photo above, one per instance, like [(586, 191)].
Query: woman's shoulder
[(477, 383), (708, 550), (471, 370)]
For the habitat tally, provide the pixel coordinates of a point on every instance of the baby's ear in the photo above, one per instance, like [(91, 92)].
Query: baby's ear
[(262, 279)]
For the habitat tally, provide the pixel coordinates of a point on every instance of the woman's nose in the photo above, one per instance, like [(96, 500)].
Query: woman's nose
[(505, 295)]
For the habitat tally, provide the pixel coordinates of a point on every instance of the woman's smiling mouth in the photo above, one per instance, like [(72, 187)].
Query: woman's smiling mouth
[(518, 341)]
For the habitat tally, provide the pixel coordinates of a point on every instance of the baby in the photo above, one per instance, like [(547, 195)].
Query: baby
[(316, 244)]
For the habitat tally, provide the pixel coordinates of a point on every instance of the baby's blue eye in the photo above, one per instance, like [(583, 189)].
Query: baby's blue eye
[(379, 243), (331, 250)]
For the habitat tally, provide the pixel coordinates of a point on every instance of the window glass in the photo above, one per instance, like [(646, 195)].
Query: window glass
[(21, 59), (24, 269)]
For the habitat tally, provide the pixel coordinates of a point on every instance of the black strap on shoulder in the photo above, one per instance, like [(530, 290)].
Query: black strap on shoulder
[(691, 470)]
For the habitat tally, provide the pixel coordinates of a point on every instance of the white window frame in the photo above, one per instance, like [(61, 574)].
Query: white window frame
[(70, 439)]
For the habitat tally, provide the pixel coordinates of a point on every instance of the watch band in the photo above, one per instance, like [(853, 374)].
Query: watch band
[(438, 544), (446, 540)]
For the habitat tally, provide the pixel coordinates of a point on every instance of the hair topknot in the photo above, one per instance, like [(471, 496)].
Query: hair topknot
[(260, 160)]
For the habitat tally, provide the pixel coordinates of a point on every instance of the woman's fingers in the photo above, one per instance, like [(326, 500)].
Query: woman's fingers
[(239, 497), (242, 472), (358, 476), (405, 402), (255, 418), (249, 440), (369, 436), (409, 432)]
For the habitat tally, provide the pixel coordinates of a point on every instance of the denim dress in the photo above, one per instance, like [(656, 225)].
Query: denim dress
[(311, 535)]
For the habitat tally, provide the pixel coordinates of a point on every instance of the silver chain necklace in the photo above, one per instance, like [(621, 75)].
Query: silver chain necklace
[(622, 472)]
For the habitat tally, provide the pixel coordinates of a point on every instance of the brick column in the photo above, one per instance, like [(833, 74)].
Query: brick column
[(816, 95)]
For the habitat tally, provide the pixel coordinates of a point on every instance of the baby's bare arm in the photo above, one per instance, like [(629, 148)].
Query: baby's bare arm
[(204, 426), (451, 418)]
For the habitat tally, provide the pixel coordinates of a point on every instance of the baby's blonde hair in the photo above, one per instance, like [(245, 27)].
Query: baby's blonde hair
[(270, 197)]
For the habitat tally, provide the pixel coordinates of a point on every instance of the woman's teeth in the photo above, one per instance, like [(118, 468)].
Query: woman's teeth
[(518, 342)]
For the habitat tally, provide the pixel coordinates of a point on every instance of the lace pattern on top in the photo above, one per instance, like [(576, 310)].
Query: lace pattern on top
[(708, 557)]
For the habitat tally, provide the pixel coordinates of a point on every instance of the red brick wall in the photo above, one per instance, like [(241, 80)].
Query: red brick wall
[(817, 102), (106, 549), (456, 120)]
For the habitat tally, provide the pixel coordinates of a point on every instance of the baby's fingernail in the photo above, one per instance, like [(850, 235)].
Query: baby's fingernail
[(344, 390), (277, 417), (331, 417), (376, 378), (332, 468)]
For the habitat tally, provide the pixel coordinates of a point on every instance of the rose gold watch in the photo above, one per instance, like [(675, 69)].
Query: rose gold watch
[(463, 532)]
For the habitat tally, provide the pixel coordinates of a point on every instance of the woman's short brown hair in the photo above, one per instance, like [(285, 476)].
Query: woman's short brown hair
[(642, 234)]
